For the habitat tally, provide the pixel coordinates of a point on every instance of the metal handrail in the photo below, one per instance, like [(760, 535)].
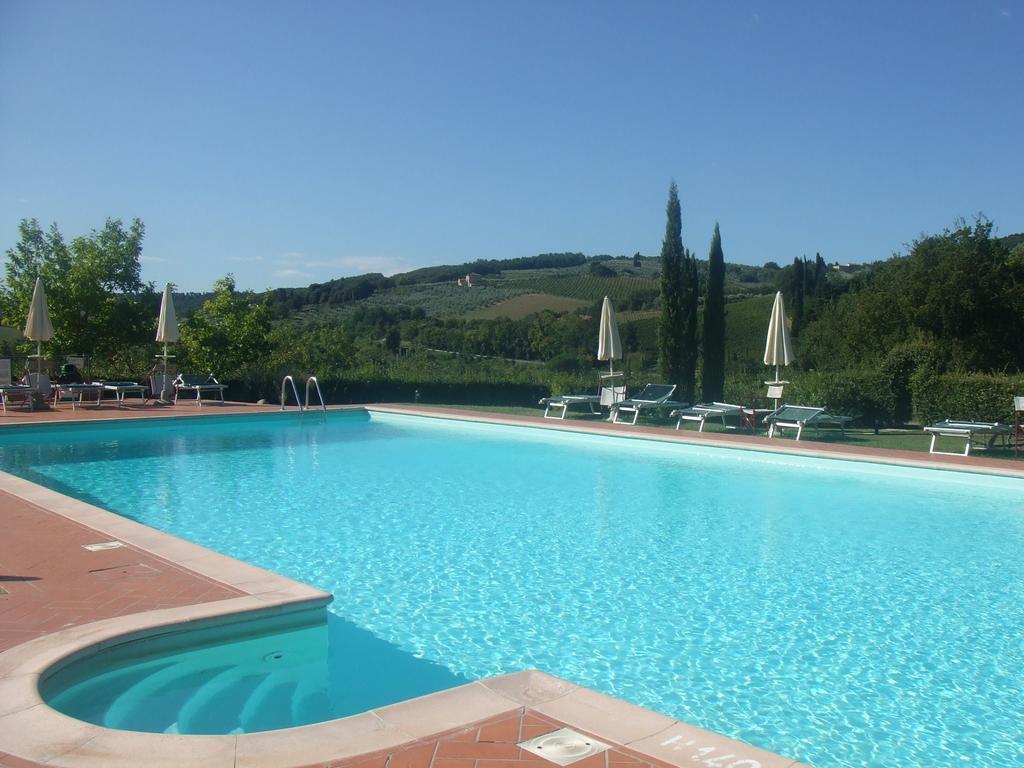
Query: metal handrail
[(284, 392), (312, 380)]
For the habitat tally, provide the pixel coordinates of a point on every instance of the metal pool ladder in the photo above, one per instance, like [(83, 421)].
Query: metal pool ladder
[(295, 391), (284, 392), (316, 384)]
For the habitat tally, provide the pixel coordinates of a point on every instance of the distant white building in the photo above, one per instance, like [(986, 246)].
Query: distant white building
[(470, 280)]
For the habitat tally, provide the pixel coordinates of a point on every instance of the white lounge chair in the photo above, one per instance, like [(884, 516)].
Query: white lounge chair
[(651, 397), (968, 430), (198, 384), (21, 393), (76, 394), (704, 411), (607, 397), (799, 416), (122, 388)]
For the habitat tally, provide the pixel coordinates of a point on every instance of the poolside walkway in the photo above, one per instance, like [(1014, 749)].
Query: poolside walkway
[(49, 583)]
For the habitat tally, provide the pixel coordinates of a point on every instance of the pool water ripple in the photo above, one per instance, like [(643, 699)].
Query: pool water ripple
[(840, 614)]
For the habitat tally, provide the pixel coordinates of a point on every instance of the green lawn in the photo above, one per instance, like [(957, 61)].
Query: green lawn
[(890, 439)]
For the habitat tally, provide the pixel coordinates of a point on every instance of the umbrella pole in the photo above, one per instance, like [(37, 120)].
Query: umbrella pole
[(39, 358), (163, 379)]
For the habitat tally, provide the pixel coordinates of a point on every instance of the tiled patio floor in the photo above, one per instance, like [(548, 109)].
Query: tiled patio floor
[(492, 744), (51, 581)]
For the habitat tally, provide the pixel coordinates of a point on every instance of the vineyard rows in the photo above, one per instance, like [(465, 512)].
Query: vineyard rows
[(621, 290)]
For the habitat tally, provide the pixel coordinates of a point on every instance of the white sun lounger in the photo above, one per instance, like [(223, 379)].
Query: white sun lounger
[(988, 431), (564, 401), (608, 397), (704, 411), (651, 397), (22, 392), (799, 416), (122, 388), (198, 384)]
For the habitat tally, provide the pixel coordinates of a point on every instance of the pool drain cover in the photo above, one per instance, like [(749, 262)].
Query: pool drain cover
[(564, 746)]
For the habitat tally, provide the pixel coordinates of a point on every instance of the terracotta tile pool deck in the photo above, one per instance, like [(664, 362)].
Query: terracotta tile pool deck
[(56, 595)]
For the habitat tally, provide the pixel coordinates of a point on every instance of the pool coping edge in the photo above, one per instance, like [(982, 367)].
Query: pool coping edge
[(31, 730), (740, 442)]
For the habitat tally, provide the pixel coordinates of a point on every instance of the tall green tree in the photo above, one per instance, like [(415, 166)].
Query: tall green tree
[(690, 329), (957, 296), (677, 327), (97, 299), (712, 385), (670, 353), (795, 305), (228, 334)]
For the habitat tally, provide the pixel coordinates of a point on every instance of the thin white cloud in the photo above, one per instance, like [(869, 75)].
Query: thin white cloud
[(343, 265), (288, 274), (154, 259), (1006, 12), (245, 259)]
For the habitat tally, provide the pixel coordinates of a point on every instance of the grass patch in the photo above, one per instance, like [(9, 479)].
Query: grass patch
[(888, 439)]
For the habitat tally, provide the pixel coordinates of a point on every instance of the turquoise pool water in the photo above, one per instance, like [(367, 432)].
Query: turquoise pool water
[(839, 613)]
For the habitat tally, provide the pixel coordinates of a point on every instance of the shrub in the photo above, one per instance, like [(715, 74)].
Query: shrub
[(969, 396), (865, 395)]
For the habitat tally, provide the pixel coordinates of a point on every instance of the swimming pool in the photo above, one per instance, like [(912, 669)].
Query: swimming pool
[(840, 613)]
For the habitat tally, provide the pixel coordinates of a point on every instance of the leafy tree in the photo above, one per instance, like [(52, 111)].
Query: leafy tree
[(393, 340), (957, 296), (713, 370), (228, 334), (677, 330), (97, 300)]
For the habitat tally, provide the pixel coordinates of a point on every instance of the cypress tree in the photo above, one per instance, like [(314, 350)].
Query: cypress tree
[(797, 311), (677, 329), (690, 300), (670, 341), (712, 385)]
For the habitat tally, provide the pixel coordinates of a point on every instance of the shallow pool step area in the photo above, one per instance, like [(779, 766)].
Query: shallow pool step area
[(259, 676)]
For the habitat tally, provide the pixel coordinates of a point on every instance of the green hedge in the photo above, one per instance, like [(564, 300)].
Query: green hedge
[(869, 396), (865, 395), (341, 391), (973, 396)]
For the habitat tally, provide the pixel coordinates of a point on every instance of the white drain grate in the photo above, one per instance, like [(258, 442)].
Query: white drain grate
[(564, 746), (103, 545)]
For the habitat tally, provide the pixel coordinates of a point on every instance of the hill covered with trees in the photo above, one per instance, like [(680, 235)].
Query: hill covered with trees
[(880, 341)]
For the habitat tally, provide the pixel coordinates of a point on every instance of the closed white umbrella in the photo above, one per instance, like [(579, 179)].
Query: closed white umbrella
[(608, 345), (166, 333), (778, 349), (38, 327)]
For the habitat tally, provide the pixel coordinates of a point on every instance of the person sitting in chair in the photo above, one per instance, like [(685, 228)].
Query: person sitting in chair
[(69, 374)]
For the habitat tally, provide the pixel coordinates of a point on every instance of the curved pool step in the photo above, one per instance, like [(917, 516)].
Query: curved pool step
[(153, 703), (269, 706), (216, 706), (310, 701)]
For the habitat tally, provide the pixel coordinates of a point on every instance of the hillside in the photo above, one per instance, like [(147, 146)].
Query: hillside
[(553, 282)]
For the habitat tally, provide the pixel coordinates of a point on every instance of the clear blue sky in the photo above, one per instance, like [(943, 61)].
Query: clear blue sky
[(293, 142)]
